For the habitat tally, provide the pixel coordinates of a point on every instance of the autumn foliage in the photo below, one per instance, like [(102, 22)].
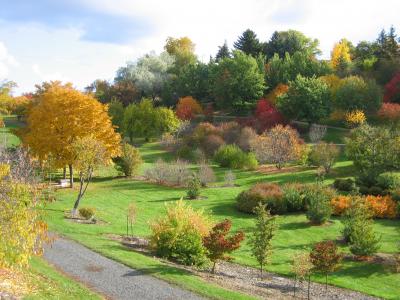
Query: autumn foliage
[(355, 118), (277, 91), (383, 207), (389, 112), (187, 108), (218, 244), (392, 90), (266, 115), (325, 257)]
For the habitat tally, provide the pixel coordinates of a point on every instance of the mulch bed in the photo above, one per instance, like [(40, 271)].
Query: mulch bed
[(80, 220), (271, 169), (248, 280)]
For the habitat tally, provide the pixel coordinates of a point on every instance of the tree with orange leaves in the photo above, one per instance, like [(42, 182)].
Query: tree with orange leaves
[(187, 108), (59, 116)]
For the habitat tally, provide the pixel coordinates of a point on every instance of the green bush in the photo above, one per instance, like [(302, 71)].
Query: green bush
[(293, 197), (388, 181), (179, 233), (130, 160), (318, 202), (344, 185), (231, 156), (194, 188), (87, 212), (269, 194)]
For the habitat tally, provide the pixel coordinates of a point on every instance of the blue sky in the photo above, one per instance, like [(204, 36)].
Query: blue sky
[(81, 40)]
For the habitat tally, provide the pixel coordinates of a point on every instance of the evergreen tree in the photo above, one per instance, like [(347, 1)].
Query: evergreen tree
[(223, 51), (248, 43)]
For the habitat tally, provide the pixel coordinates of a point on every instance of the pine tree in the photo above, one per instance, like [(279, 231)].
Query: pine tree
[(248, 43), (223, 51), (262, 236)]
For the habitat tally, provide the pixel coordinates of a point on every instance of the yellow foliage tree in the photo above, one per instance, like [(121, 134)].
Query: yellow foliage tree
[(182, 49), (61, 115), (340, 55), (280, 89)]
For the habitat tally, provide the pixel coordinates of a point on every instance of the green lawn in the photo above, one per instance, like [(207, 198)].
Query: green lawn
[(50, 284), (111, 197)]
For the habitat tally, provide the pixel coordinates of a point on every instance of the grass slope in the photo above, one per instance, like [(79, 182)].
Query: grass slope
[(111, 197)]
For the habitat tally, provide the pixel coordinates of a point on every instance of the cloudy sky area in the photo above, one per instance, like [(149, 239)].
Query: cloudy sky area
[(81, 40)]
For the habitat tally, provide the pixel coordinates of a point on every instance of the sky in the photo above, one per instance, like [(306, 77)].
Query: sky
[(82, 40)]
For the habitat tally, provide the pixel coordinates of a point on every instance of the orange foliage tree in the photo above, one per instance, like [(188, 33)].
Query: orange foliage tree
[(187, 108), (280, 89), (61, 115)]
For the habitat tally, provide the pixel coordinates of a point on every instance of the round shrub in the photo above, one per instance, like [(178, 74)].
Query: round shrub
[(87, 212), (194, 187), (211, 144), (230, 132), (388, 181), (344, 185), (231, 156), (178, 234), (293, 197), (269, 194), (130, 160)]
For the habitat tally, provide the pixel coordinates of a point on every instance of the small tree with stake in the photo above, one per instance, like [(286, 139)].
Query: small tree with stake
[(218, 244), (130, 218), (325, 258), (89, 155), (264, 231), (302, 267)]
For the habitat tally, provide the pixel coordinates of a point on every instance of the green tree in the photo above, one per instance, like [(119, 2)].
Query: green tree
[(355, 93), (325, 155), (287, 68), (290, 41), (130, 160), (238, 82), (248, 43), (145, 120), (182, 49), (374, 150), (263, 232), (307, 99), (223, 52), (116, 112)]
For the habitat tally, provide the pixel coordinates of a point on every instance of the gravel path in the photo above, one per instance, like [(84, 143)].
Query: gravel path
[(110, 278)]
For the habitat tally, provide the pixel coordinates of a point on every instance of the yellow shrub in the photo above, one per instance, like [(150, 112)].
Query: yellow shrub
[(355, 118)]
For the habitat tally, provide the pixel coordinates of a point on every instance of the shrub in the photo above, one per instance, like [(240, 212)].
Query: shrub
[(382, 207), (389, 112), (230, 132), (218, 244), (266, 115), (358, 230), (355, 118), (206, 175), (345, 185), (324, 155), (388, 181), (194, 186), (247, 135), (232, 156), (174, 173), (202, 131), (178, 234), (187, 108), (340, 204), (317, 132), (229, 178), (130, 160), (278, 146), (87, 212), (293, 197), (269, 194), (211, 144), (317, 199), (130, 217), (168, 141)]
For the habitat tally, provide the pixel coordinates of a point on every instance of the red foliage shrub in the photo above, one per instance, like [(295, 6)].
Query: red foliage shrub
[(389, 112), (392, 89), (211, 144), (325, 257), (187, 108), (267, 115)]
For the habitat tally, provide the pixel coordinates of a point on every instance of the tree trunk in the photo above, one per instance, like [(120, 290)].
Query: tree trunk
[(308, 290), (294, 286), (71, 176), (213, 268), (82, 190), (326, 282), (64, 173), (261, 271)]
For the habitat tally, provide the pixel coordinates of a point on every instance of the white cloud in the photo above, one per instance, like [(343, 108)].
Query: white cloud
[(62, 53), (6, 60)]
